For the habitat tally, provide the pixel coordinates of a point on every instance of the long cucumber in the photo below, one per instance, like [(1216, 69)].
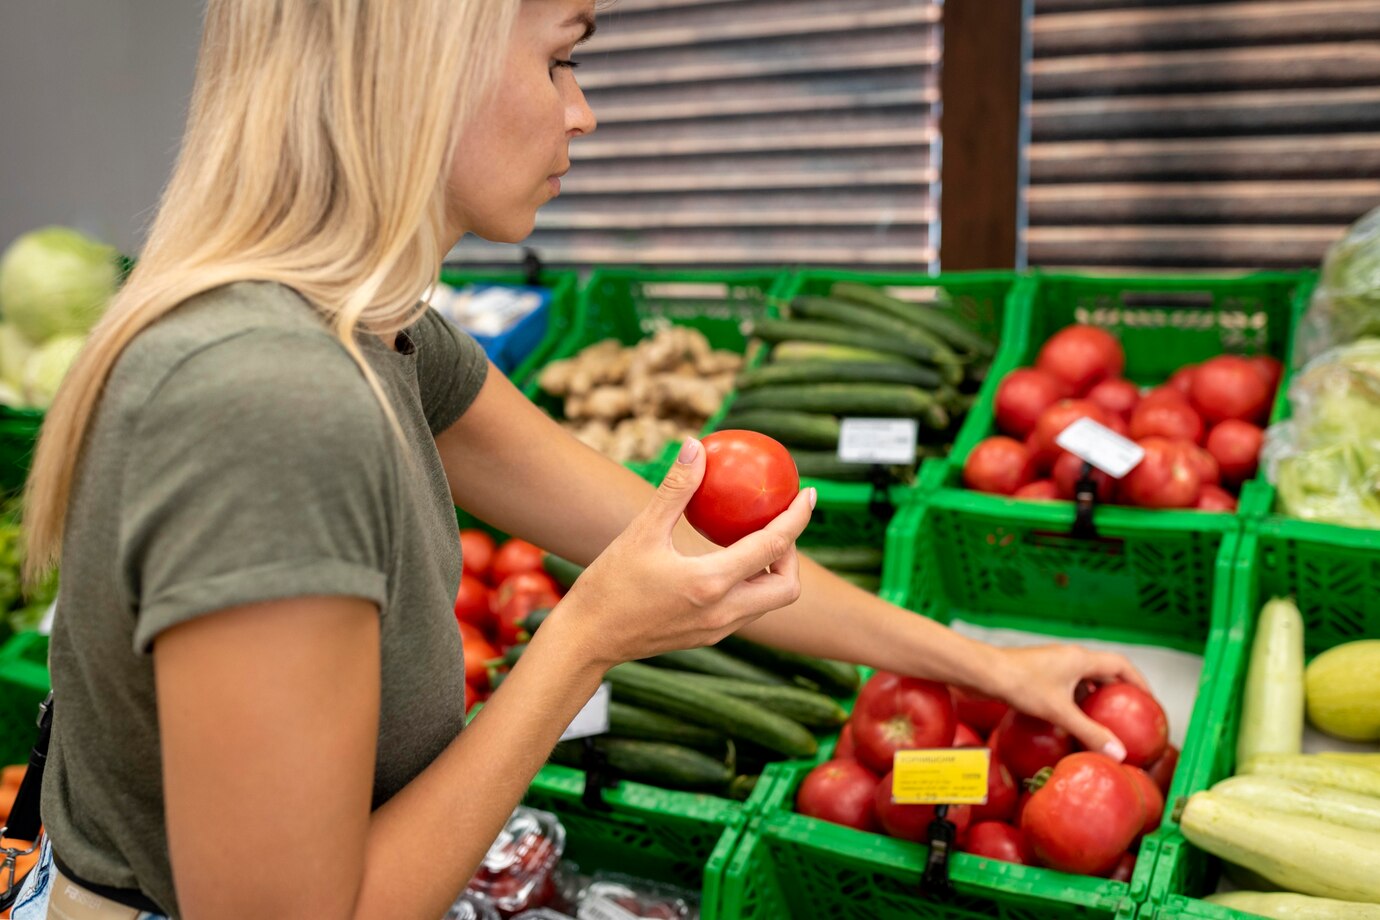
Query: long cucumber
[(1309, 768), (836, 677), (863, 399), (932, 317), (813, 710), (1285, 905), (716, 663), (860, 317), (785, 330), (790, 352), (643, 724), (794, 429), (838, 372), (653, 762), (1272, 704)]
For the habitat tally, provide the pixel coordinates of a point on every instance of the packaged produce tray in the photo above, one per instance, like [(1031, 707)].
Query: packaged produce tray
[(791, 865), (533, 340), (1332, 575), (24, 682)]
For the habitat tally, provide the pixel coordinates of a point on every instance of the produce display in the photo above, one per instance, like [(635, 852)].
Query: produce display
[(21, 609), (859, 352), (629, 402), (1201, 430)]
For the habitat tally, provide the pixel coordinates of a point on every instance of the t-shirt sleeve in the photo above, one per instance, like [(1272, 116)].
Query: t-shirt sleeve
[(263, 468), (451, 368)]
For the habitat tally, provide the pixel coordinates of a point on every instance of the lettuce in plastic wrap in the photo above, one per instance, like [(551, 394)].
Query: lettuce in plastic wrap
[(1346, 303)]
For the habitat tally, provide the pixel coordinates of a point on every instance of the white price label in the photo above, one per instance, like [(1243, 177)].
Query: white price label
[(1101, 446), (878, 440), (593, 719)]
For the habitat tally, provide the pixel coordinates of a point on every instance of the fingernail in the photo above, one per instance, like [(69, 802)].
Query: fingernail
[(814, 497), (688, 451), (1115, 750)]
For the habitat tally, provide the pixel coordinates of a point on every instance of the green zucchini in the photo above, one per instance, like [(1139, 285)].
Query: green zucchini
[(838, 677), (563, 570), (785, 330), (936, 318), (846, 558), (1309, 768), (838, 372), (860, 317), (653, 762), (643, 724), (1289, 906), (1272, 704), (790, 352), (714, 662), (863, 399), (1300, 854), (1310, 800), (813, 710), (661, 690), (794, 429)]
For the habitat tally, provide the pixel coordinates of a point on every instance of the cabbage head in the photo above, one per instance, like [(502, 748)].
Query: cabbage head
[(56, 281), (15, 350), (46, 368)]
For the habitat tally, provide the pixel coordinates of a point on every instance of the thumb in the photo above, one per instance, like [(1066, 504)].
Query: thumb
[(1093, 735), (676, 490)]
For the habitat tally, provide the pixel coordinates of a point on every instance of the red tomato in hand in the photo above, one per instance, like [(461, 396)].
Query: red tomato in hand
[(1085, 816), (1150, 797), (912, 822), (1270, 369), (1230, 387), (913, 713), (749, 479), (1027, 744), (1134, 716), (1023, 397), (1167, 418), (981, 713), (1125, 868), (472, 602), (1068, 469), (1041, 490), (841, 792), (966, 737), (1002, 794), (995, 840), (477, 552), (514, 556), (1118, 396), (1215, 498), (845, 749), (1166, 478), (1236, 446), (999, 465), (1058, 417), (478, 652), (1082, 356), (517, 597), (1162, 770)]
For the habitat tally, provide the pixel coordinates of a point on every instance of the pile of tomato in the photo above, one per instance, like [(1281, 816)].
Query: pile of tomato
[(1048, 803)]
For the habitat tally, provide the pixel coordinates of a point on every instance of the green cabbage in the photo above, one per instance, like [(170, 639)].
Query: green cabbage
[(15, 350), (56, 281), (46, 368)]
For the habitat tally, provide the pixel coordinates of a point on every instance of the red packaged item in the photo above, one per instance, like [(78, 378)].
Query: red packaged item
[(519, 871), (617, 897), (471, 907)]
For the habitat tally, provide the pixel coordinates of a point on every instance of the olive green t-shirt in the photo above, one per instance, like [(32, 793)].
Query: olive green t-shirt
[(238, 456)]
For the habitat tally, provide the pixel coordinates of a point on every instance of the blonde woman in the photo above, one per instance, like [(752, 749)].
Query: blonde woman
[(249, 476)]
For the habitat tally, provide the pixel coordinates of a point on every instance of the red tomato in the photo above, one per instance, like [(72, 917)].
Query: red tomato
[(749, 479), (1125, 868), (966, 737), (1269, 368), (981, 713), (1134, 716), (477, 552), (1230, 387), (879, 683), (1041, 490), (1166, 478), (1167, 418), (913, 713), (512, 557), (1027, 744), (841, 792), (478, 652), (1000, 465), (995, 840), (1002, 795), (1162, 770), (1082, 356), (912, 822), (1058, 417), (472, 602), (517, 597), (1150, 797), (1117, 396), (1236, 446), (1209, 472), (1068, 469), (1182, 380), (1085, 816), (1023, 397), (845, 749), (1215, 498)]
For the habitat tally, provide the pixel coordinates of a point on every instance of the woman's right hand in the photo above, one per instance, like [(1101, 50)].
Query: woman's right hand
[(642, 597)]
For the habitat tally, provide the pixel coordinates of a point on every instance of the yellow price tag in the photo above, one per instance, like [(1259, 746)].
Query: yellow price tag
[(947, 776)]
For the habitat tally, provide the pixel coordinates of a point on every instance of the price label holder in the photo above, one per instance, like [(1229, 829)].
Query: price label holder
[(880, 443), (591, 721), (942, 777), (1099, 447)]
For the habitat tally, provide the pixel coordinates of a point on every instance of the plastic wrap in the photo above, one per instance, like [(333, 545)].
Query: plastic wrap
[(520, 870), (1346, 303), (471, 907), (612, 896)]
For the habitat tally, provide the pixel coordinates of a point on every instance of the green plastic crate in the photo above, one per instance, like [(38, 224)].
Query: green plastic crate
[(1331, 572), (18, 435), (564, 286), (631, 304), (24, 682)]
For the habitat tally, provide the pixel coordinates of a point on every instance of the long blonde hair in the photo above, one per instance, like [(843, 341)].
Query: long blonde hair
[(316, 154)]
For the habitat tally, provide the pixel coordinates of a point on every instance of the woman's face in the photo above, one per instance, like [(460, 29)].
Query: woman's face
[(511, 156)]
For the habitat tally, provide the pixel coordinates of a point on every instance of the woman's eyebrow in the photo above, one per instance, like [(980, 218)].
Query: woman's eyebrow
[(582, 18)]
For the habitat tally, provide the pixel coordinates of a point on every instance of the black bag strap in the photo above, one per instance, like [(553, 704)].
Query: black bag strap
[(25, 821)]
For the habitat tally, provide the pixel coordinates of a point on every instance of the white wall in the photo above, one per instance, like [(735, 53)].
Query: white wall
[(92, 100)]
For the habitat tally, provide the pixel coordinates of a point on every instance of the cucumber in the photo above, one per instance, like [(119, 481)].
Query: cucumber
[(563, 570), (653, 762), (534, 619), (825, 464), (836, 677), (714, 662), (838, 372), (1307, 768), (742, 787), (813, 710), (1289, 906), (643, 724), (790, 352), (934, 318), (860, 317), (661, 690), (846, 558), (1310, 800), (784, 330), (1272, 704), (870, 583), (864, 399), (803, 429), (1300, 854)]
